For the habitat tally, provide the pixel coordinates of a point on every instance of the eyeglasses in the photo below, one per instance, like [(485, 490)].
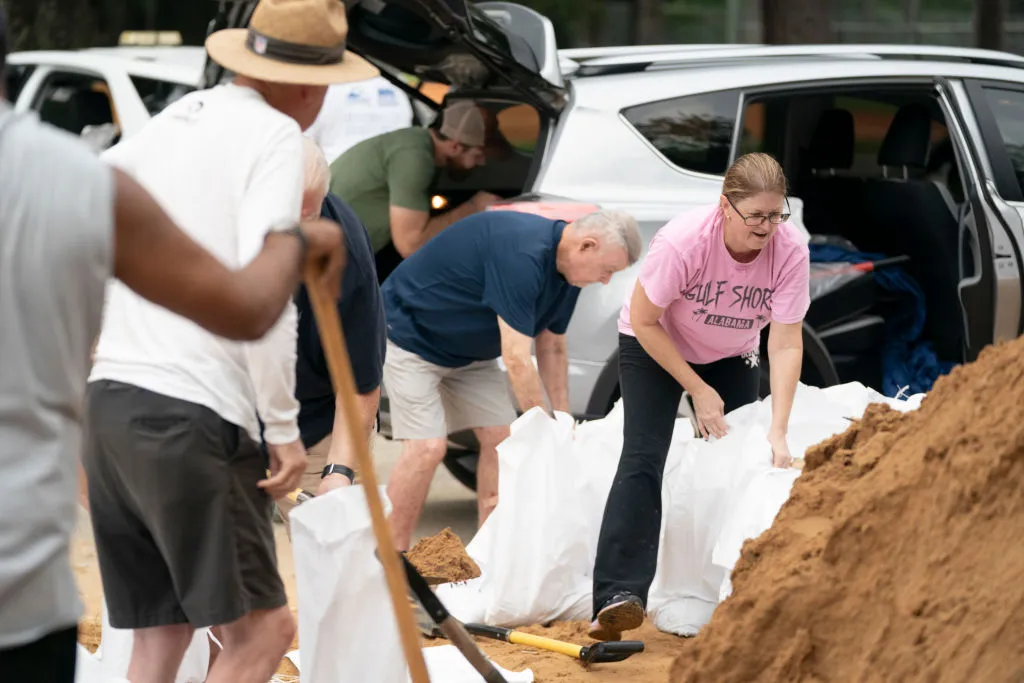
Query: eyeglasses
[(757, 220)]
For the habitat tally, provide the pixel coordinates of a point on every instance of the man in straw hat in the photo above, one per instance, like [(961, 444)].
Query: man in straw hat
[(67, 222), (180, 504), (387, 180)]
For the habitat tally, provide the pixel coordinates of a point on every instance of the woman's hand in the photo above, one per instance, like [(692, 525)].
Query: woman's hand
[(780, 450), (710, 412)]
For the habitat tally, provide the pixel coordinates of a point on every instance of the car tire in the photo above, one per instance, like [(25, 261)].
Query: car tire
[(817, 370)]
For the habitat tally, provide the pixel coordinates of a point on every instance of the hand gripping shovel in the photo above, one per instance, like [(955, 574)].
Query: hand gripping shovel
[(598, 653)]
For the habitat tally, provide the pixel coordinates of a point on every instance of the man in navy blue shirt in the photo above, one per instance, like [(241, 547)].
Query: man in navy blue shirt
[(487, 287), (324, 432)]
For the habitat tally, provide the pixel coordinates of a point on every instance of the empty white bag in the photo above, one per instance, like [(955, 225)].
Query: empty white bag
[(538, 543), (346, 620)]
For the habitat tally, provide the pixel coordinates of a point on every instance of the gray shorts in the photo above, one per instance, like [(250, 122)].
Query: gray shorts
[(428, 401), (183, 533)]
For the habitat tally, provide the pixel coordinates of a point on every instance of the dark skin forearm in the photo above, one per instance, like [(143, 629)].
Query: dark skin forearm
[(165, 266)]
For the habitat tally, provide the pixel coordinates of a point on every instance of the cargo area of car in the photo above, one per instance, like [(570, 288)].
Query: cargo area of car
[(880, 183)]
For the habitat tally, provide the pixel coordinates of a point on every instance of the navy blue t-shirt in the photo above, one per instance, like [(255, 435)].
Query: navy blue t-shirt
[(443, 302), (362, 317)]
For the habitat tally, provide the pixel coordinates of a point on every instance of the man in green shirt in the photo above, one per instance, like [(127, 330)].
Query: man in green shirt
[(387, 180)]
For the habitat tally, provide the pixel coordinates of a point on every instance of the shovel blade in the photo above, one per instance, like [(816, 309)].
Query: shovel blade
[(611, 651)]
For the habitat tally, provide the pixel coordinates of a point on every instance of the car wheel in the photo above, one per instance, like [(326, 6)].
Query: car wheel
[(817, 370), (462, 465), (461, 458)]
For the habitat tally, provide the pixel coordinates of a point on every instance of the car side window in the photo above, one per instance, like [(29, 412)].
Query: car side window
[(695, 133), (1007, 108), (157, 95), (16, 77), (75, 102)]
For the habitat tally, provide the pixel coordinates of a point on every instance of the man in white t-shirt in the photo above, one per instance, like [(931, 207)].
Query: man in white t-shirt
[(354, 112), (67, 223), (180, 504)]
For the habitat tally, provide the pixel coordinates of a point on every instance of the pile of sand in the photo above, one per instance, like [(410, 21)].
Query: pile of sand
[(442, 556), (898, 556)]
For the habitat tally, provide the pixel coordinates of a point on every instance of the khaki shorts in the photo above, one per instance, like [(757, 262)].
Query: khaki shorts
[(428, 401)]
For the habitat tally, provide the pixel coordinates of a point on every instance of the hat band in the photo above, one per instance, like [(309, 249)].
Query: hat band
[(293, 53)]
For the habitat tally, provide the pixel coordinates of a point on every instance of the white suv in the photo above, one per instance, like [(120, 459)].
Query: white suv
[(912, 152)]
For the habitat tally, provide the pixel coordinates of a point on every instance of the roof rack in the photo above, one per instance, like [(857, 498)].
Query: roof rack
[(632, 62), (571, 59)]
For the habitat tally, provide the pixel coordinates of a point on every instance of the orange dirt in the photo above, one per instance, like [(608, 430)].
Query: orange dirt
[(897, 556), (443, 556)]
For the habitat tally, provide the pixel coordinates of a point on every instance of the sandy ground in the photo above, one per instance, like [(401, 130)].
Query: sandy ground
[(450, 505)]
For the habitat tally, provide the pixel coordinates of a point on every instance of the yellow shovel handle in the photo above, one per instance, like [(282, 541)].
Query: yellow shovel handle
[(542, 643)]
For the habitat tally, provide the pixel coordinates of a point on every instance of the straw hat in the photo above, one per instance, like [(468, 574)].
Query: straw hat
[(292, 41)]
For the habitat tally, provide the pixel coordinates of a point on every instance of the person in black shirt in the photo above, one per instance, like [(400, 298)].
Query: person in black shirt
[(324, 433)]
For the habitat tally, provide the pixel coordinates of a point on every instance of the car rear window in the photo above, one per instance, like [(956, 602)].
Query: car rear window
[(156, 95), (695, 133)]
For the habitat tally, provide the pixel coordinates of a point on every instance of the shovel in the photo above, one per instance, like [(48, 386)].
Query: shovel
[(340, 367), (598, 653), (445, 623)]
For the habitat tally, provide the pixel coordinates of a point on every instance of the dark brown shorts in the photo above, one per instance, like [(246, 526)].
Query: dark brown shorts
[(183, 533)]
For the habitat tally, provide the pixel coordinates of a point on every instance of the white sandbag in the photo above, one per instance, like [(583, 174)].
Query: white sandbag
[(115, 652), (466, 600), (445, 664), (554, 482), (698, 488), (89, 669), (537, 551), (346, 621), (752, 513)]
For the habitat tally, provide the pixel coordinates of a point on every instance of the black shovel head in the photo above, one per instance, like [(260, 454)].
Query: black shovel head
[(610, 651)]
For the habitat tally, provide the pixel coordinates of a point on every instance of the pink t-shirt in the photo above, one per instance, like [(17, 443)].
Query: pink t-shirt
[(715, 307)]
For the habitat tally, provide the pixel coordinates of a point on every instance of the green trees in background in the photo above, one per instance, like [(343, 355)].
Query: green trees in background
[(65, 24)]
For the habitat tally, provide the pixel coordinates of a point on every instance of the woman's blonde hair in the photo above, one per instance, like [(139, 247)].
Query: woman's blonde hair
[(753, 174)]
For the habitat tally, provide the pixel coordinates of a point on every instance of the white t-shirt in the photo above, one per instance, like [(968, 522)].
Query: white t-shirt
[(353, 112), (56, 246), (227, 167)]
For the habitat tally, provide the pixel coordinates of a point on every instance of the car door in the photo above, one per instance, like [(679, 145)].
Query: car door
[(993, 116)]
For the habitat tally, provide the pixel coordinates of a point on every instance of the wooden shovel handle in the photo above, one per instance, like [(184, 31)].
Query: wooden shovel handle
[(333, 341)]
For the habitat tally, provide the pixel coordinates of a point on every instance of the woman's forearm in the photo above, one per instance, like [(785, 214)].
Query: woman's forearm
[(660, 347), (785, 364)]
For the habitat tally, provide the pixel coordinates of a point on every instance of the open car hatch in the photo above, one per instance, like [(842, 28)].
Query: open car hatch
[(475, 48)]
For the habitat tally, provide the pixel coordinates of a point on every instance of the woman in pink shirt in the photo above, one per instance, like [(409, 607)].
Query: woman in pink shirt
[(712, 279)]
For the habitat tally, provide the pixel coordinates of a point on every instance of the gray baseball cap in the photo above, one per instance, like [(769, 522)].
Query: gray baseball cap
[(463, 122)]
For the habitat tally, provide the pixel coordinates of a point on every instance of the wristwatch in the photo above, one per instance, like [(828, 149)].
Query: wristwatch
[(296, 230), (339, 469)]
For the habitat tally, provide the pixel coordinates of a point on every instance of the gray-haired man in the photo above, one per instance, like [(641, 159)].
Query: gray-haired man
[(489, 286)]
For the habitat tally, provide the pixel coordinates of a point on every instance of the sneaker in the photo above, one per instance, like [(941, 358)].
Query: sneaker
[(624, 612)]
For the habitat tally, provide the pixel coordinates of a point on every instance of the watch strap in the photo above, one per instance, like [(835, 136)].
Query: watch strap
[(339, 469)]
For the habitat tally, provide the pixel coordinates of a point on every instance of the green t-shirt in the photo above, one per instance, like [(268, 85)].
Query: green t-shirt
[(395, 168)]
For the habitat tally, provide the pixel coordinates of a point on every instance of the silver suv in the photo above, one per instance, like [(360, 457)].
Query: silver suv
[(912, 152)]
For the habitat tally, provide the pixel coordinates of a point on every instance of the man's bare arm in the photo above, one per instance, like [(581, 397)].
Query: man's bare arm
[(553, 363), (341, 452), (161, 263), (411, 229), (516, 350)]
